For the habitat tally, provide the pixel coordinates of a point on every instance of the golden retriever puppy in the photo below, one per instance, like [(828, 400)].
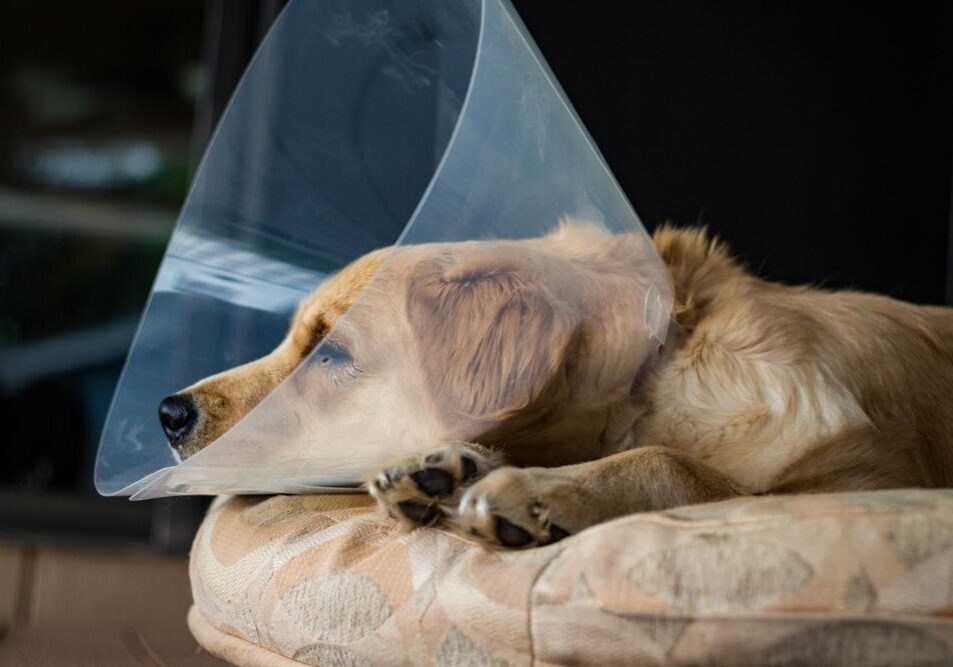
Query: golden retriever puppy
[(536, 350)]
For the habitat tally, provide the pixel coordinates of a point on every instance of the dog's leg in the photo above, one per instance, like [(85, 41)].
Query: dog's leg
[(420, 489), (526, 507)]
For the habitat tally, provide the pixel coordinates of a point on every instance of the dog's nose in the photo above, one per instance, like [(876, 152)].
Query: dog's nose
[(177, 414)]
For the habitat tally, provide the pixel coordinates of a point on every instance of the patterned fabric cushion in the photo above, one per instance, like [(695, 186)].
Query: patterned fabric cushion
[(848, 579)]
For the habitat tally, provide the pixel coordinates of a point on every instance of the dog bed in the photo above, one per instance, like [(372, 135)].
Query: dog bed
[(853, 579)]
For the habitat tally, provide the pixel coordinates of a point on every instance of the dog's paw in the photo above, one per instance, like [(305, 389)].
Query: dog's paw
[(421, 489), (520, 508)]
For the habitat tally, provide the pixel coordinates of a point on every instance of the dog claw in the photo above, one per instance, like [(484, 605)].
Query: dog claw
[(382, 482)]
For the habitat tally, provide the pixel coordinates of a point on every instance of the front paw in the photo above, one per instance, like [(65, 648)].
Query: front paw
[(520, 508), (422, 489)]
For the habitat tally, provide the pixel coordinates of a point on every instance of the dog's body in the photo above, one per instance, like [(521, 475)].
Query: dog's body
[(795, 388), (760, 388)]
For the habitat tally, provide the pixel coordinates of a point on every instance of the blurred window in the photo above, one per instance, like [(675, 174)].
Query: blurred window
[(96, 114)]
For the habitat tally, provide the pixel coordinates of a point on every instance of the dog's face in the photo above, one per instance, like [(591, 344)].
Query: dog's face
[(533, 343)]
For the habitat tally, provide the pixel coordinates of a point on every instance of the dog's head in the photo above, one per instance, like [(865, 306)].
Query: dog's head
[(531, 345)]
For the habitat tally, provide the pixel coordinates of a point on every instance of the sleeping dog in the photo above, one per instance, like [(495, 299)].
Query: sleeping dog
[(536, 344)]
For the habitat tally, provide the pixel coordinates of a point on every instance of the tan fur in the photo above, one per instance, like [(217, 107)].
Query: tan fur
[(222, 399), (773, 388), (773, 376)]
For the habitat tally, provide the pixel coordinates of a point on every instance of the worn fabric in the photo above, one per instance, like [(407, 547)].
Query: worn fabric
[(856, 578)]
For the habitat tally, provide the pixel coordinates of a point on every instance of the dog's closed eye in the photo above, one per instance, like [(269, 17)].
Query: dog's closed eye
[(335, 358), (334, 352)]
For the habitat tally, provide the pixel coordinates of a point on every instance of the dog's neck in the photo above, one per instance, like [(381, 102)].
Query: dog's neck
[(675, 337)]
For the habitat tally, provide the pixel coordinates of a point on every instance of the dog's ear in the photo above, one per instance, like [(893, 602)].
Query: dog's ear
[(491, 342)]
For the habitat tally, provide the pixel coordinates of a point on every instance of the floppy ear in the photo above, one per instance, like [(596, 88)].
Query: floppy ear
[(490, 341)]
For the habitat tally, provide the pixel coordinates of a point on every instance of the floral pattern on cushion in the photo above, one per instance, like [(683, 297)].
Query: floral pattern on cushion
[(854, 578)]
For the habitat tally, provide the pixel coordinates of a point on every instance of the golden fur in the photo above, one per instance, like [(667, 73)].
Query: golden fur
[(769, 388)]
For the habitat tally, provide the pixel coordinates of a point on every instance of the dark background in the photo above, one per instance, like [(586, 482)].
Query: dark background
[(817, 139)]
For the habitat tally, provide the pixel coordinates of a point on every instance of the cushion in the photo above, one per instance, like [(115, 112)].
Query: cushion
[(854, 578)]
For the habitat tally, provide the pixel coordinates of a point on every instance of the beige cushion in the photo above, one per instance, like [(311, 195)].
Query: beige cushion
[(857, 578)]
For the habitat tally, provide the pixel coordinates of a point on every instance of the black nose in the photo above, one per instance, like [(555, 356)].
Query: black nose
[(177, 414)]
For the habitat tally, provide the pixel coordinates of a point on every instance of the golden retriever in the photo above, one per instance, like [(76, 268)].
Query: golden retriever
[(536, 346)]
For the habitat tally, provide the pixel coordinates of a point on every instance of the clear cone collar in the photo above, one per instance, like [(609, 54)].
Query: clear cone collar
[(432, 127)]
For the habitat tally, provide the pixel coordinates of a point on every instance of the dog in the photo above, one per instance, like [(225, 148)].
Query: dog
[(534, 348)]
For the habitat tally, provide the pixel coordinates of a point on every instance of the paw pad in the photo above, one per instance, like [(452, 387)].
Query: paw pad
[(434, 482), (556, 533), (419, 512), (423, 488), (511, 535), (469, 468)]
